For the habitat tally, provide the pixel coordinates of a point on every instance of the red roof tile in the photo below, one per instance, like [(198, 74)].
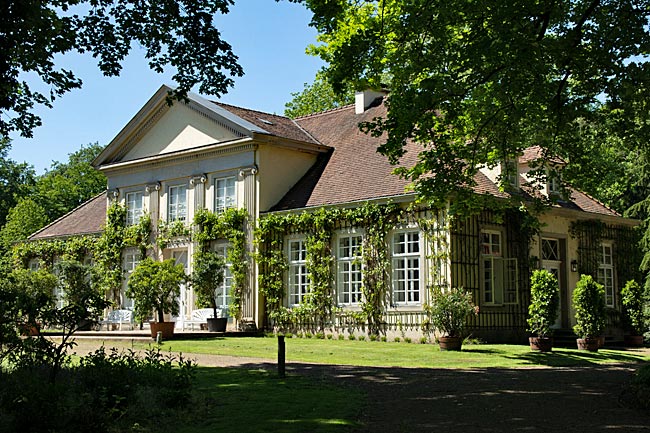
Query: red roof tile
[(88, 218)]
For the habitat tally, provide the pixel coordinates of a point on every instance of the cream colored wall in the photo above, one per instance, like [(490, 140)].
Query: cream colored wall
[(279, 170), (178, 129)]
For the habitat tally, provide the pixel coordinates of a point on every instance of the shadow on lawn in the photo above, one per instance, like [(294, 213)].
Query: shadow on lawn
[(577, 358), (494, 399)]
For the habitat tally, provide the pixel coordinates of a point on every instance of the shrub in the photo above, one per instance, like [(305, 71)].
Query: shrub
[(633, 306), (544, 303), (373, 337), (407, 339), (397, 339), (589, 305), (383, 338), (330, 336), (351, 337), (341, 337), (424, 340), (449, 309), (361, 338), (320, 336)]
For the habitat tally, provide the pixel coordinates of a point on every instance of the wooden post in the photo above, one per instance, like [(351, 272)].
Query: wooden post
[(281, 357)]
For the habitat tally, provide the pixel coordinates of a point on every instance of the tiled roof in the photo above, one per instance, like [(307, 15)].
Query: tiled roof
[(88, 218), (353, 170), (534, 153), (274, 124)]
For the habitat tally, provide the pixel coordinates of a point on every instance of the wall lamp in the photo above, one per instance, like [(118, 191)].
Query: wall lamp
[(574, 266)]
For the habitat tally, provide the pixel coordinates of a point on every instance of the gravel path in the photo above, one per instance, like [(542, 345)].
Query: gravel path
[(584, 399)]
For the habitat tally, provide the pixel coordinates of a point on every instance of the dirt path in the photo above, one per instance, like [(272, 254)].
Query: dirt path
[(585, 399)]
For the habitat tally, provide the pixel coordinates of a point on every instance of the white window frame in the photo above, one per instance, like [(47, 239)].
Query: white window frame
[(552, 183), (407, 268), (223, 295), (298, 283), (499, 275), (133, 212), (130, 260), (606, 272), (177, 203), (222, 199), (349, 269), (555, 241)]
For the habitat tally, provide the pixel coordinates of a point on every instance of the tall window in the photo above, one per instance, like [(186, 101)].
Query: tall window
[(499, 275), (553, 183), (225, 194), (223, 292), (131, 260), (177, 206), (406, 267), (349, 276), (606, 273), (298, 277), (134, 207)]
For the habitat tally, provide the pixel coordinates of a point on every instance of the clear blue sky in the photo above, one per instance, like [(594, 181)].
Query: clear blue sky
[(269, 37)]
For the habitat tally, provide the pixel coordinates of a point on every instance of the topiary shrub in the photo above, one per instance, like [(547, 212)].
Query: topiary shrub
[(633, 306), (589, 305), (544, 303)]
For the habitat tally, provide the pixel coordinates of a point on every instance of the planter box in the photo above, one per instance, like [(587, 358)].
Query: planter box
[(217, 324), (541, 344), (167, 329), (450, 343), (590, 344)]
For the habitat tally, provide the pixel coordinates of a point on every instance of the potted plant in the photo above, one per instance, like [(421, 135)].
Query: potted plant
[(155, 286), (633, 305), (589, 305), (448, 312), (207, 277), (543, 309)]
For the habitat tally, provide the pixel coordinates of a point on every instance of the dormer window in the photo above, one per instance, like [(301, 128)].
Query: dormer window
[(510, 174), (552, 183)]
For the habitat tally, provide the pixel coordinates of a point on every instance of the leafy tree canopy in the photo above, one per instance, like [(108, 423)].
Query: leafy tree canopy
[(24, 219), (478, 82), (317, 96), (175, 33), (66, 185), (16, 179)]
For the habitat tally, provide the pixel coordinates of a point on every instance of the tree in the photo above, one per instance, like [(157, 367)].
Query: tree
[(66, 185), (475, 83), (24, 219), (317, 96), (15, 180), (207, 277), (176, 33)]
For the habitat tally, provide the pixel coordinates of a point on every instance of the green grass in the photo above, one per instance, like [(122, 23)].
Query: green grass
[(242, 401), (390, 354)]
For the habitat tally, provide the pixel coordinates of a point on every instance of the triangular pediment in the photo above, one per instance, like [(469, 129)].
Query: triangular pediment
[(160, 129)]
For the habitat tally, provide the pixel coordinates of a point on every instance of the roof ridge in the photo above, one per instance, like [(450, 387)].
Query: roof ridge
[(319, 113), (306, 132), (95, 197), (250, 109)]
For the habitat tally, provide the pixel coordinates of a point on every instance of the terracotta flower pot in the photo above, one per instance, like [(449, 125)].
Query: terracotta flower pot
[(167, 329), (633, 340), (591, 344), (542, 344), (450, 343)]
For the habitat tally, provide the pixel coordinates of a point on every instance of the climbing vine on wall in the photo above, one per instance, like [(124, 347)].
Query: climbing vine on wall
[(230, 226)]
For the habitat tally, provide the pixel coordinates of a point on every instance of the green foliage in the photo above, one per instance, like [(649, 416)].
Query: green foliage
[(155, 286), (564, 67), (207, 277), (449, 309), (544, 303), (22, 220), (67, 185), (16, 180), (589, 305), (228, 225), (180, 34), (315, 97), (105, 392), (633, 300)]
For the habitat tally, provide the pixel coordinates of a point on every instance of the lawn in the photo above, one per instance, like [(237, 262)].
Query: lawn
[(236, 400), (391, 354)]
